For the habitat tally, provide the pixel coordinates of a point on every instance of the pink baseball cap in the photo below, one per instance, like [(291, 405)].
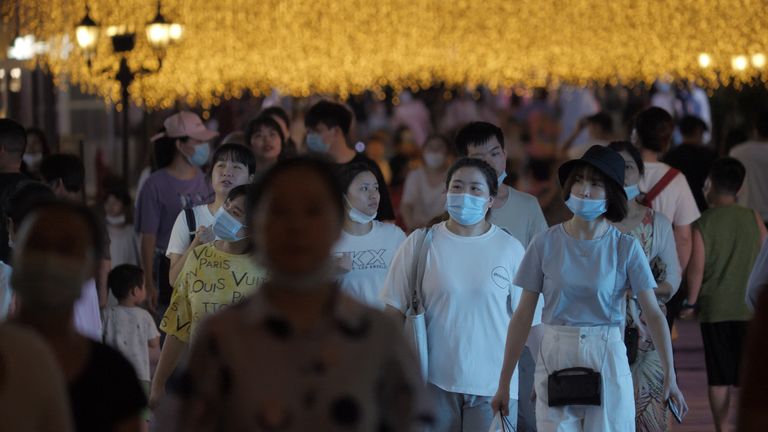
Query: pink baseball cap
[(187, 124)]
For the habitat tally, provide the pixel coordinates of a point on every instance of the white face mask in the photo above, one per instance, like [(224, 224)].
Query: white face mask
[(116, 220), (356, 215), (434, 159), (32, 160)]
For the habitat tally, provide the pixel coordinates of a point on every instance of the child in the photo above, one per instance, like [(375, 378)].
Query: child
[(124, 244), (127, 327), (726, 241)]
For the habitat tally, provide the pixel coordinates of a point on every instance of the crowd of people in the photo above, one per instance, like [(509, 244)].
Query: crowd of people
[(280, 284)]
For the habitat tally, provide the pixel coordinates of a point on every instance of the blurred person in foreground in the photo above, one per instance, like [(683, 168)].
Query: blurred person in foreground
[(299, 354), (51, 265)]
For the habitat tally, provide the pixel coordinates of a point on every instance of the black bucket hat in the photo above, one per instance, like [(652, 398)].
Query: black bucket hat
[(603, 159)]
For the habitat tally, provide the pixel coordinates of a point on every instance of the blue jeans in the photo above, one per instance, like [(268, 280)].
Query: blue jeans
[(458, 412)]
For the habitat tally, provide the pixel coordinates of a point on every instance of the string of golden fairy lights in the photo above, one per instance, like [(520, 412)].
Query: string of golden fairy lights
[(301, 47)]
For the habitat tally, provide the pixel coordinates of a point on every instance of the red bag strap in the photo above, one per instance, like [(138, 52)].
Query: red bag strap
[(659, 187)]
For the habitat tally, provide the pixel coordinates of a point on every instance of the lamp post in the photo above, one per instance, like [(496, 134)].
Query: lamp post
[(160, 34)]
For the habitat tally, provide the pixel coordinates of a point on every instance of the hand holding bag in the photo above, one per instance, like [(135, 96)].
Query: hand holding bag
[(501, 424), (415, 323)]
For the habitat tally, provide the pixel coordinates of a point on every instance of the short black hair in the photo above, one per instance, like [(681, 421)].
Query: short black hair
[(324, 169), (475, 134), (276, 111), (238, 191), (331, 114), (626, 146), (123, 278), (286, 150), (727, 176), (37, 132), (13, 137), (235, 153), (602, 120), (654, 128), (488, 172), (348, 172), (24, 198), (615, 196), (67, 167), (760, 119), (691, 124)]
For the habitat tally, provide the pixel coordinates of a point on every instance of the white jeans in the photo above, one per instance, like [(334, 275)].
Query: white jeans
[(598, 348)]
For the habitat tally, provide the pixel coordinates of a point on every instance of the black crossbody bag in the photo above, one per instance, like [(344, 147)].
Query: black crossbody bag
[(574, 386), (577, 385)]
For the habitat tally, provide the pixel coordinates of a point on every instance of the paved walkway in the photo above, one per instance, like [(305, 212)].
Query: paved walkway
[(692, 378)]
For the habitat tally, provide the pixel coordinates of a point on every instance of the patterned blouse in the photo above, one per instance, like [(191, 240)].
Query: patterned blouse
[(250, 370)]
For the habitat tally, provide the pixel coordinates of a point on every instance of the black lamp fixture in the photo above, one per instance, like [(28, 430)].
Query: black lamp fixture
[(160, 35)]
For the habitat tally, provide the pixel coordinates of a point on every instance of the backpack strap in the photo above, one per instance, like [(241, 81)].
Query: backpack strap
[(191, 223), (659, 187)]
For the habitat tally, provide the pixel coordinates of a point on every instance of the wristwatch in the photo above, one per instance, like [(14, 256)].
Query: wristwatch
[(687, 305)]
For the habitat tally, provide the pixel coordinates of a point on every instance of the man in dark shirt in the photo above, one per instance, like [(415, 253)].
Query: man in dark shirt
[(328, 124), (13, 142), (692, 157)]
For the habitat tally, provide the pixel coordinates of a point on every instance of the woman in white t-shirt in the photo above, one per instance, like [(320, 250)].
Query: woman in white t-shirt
[(468, 297), (366, 246), (424, 190), (584, 267), (232, 166)]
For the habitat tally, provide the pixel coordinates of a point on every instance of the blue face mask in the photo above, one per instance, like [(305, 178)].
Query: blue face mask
[(226, 227), (201, 154), (466, 209), (632, 191), (315, 143), (587, 209), (502, 177)]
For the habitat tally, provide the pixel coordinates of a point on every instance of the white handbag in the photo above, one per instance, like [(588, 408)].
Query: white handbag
[(415, 323)]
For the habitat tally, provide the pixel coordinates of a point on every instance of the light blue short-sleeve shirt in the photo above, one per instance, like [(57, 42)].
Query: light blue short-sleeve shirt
[(584, 281)]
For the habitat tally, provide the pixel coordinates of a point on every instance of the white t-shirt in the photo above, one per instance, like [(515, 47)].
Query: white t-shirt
[(179, 240), (428, 202), (371, 255), (128, 330), (469, 299), (754, 156), (33, 395), (676, 201), (521, 215), (86, 312)]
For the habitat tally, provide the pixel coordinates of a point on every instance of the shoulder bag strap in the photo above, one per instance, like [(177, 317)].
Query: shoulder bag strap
[(191, 223), (659, 187), (418, 274)]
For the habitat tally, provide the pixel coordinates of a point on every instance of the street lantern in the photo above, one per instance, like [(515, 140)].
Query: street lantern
[(87, 33), (159, 31)]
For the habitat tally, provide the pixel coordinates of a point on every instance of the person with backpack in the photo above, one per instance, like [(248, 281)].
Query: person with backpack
[(233, 165), (462, 270)]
